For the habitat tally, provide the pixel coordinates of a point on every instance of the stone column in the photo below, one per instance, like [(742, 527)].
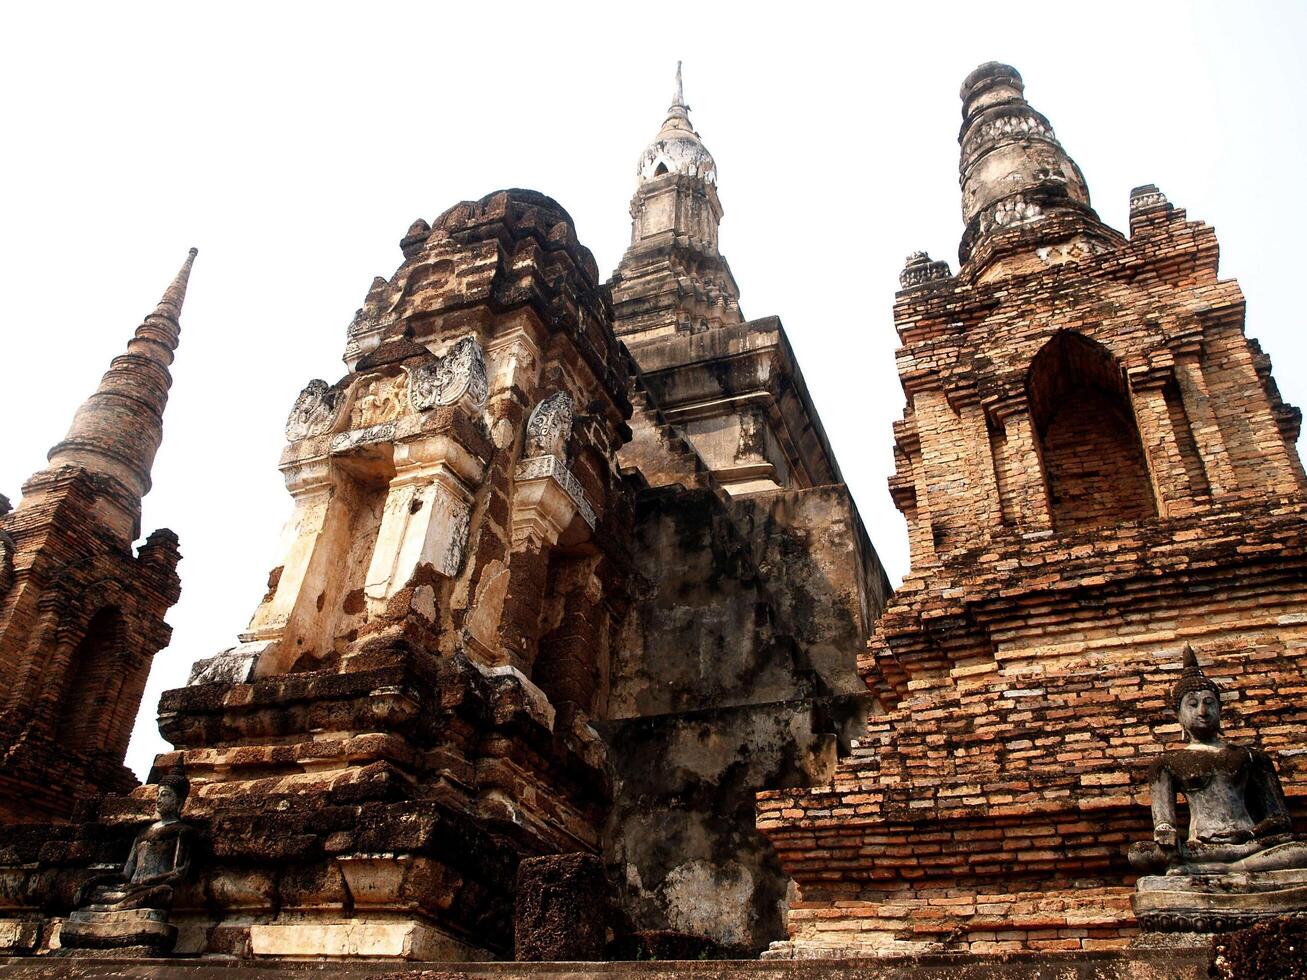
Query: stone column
[(567, 667), (986, 508), (304, 543), (519, 623), (1165, 464), (1020, 471), (908, 488), (549, 506), (943, 473), (1202, 421), (425, 520)]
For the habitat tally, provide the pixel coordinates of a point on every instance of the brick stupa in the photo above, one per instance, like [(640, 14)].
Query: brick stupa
[(1096, 468)]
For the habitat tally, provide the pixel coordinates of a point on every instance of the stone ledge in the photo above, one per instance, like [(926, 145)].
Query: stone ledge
[(1166, 964)]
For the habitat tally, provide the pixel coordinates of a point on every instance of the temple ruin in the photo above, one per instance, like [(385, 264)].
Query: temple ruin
[(578, 647)]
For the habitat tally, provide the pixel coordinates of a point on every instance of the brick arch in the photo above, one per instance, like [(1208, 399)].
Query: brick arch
[(89, 657), (1089, 446)]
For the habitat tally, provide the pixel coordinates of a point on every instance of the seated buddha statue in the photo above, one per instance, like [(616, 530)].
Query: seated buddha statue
[(1238, 819), (130, 908)]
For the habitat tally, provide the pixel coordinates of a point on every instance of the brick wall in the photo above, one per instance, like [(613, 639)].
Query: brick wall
[(1095, 470)]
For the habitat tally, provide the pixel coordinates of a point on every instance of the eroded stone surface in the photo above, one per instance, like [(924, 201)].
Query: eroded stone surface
[(563, 909)]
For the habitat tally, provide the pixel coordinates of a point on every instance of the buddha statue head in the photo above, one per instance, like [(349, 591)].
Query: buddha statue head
[(173, 789), (1197, 701)]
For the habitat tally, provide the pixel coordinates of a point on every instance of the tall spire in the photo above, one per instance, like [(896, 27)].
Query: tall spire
[(117, 431), (673, 278)]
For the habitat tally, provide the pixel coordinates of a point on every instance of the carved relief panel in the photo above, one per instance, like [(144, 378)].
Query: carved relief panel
[(459, 377), (378, 400), (315, 410)]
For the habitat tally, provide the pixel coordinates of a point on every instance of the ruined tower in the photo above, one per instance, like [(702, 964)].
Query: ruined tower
[(81, 617), (1096, 468), (756, 580), (486, 624)]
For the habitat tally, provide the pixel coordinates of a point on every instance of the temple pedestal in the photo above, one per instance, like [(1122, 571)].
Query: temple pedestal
[(129, 932), (1218, 903)]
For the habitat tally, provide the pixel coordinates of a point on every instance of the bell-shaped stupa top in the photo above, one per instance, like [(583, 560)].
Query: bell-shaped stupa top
[(1013, 170), (677, 148)]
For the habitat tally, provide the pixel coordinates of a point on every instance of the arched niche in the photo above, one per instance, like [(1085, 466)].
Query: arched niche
[(1094, 466), (95, 672)]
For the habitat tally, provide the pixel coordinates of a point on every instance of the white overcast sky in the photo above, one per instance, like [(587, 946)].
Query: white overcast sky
[(293, 144)]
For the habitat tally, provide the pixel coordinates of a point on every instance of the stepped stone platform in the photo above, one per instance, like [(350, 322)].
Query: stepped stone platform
[(1140, 964)]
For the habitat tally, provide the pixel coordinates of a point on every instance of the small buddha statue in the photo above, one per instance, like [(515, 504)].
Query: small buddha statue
[(130, 907), (1238, 819)]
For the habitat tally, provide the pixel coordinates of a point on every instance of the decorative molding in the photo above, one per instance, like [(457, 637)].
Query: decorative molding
[(345, 441), (1009, 213), (1006, 128), (551, 467), (1145, 198), (1214, 921)]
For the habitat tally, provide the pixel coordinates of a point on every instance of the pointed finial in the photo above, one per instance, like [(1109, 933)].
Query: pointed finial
[(1189, 659), (677, 147), (175, 294)]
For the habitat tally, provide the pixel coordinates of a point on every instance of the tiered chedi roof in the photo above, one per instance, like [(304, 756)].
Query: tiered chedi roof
[(117, 431), (731, 386), (673, 279)]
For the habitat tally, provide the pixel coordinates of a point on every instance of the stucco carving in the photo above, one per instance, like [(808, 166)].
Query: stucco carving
[(459, 374), (919, 268), (379, 400), (314, 412), (345, 441), (549, 427), (1015, 210), (1146, 197), (1004, 128)]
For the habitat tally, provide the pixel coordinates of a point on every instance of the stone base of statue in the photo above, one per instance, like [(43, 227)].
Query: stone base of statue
[(142, 932), (1218, 903)]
